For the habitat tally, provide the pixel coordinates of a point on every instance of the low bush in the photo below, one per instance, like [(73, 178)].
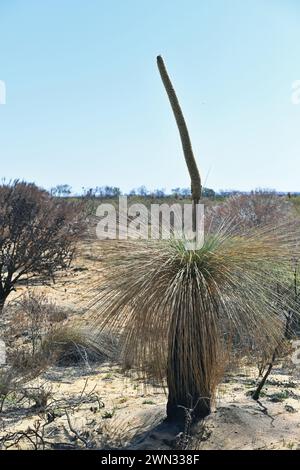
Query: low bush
[(71, 344)]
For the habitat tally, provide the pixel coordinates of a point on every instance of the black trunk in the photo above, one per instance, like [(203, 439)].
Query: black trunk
[(179, 408), (189, 371)]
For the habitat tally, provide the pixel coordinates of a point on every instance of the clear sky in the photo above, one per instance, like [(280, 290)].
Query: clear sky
[(85, 104)]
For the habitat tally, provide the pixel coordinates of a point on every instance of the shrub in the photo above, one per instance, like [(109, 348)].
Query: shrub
[(71, 344), (247, 211), (7, 385), (39, 395), (37, 235), (34, 316)]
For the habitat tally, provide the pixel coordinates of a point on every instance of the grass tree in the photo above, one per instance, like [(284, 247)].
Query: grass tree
[(174, 369), (179, 309)]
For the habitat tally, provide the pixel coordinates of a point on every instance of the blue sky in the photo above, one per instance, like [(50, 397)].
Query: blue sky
[(85, 105)]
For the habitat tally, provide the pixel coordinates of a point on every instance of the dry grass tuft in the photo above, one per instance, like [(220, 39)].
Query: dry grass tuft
[(179, 309), (70, 344)]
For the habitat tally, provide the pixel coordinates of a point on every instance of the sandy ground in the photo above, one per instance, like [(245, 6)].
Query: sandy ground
[(101, 406), (111, 410)]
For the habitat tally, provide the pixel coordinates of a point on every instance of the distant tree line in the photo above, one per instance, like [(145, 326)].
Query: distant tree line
[(106, 192)]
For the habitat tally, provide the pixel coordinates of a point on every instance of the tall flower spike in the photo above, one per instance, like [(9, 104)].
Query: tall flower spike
[(183, 131)]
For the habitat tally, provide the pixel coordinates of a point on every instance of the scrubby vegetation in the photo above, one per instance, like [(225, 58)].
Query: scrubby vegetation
[(148, 290)]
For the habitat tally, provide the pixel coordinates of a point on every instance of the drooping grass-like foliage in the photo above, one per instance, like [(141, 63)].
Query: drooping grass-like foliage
[(179, 309)]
